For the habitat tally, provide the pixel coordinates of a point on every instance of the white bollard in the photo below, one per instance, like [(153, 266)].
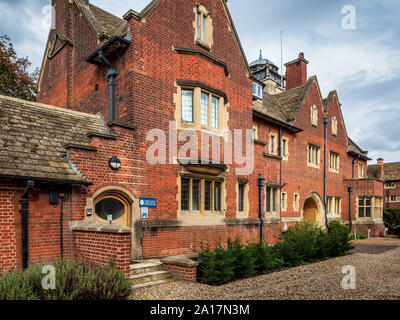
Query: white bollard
[(355, 234), (369, 231)]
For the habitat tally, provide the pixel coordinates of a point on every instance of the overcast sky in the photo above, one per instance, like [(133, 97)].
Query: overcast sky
[(362, 64)]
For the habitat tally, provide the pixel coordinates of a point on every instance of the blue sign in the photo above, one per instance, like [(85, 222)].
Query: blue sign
[(148, 203)]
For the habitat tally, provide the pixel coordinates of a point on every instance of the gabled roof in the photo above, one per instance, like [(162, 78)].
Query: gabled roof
[(391, 171), (103, 23), (286, 105), (34, 139)]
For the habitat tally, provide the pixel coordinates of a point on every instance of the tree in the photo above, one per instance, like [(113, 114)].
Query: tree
[(15, 79)]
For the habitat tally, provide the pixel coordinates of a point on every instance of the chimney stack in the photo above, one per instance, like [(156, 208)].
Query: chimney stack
[(296, 72), (379, 174)]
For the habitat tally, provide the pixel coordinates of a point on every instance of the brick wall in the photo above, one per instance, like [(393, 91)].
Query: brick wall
[(99, 248), (184, 273)]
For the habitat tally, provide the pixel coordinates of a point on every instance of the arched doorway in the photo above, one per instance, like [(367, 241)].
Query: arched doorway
[(310, 210), (313, 209)]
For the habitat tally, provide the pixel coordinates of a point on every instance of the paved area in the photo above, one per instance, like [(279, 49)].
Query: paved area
[(376, 261)]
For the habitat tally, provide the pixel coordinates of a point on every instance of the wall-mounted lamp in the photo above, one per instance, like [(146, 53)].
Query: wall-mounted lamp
[(115, 163)]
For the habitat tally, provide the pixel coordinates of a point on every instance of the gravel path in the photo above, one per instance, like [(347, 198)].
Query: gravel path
[(377, 264)]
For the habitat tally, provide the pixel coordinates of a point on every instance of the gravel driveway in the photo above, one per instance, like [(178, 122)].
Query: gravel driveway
[(376, 261)]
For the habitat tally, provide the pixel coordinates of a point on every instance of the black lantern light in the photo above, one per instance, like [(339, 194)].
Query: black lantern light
[(115, 163)]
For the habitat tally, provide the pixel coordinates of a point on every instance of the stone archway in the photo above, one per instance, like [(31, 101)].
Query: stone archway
[(312, 210)]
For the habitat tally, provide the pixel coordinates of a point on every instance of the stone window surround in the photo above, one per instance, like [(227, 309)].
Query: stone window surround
[(331, 206), (318, 155), (203, 178), (206, 43), (113, 190), (283, 203), (390, 185), (296, 206), (360, 172), (246, 206), (333, 154), (285, 152), (374, 216), (277, 199), (275, 146), (198, 88)]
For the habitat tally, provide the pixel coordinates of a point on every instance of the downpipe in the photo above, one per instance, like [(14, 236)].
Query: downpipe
[(325, 121), (24, 222), (350, 189), (260, 184)]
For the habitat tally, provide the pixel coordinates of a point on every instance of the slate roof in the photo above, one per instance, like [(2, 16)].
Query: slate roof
[(33, 139), (391, 171), (104, 23)]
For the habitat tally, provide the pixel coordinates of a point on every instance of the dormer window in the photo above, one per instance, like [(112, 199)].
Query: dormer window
[(257, 90), (203, 27)]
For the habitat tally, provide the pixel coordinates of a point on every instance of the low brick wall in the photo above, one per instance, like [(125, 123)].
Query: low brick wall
[(98, 244), (181, 272), (181, 267)]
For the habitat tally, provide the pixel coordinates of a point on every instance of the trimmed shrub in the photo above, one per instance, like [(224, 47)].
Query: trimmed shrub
[(243, 260), (74, 281), (301, 243), (217, 265), (338, 240), (391, 218)]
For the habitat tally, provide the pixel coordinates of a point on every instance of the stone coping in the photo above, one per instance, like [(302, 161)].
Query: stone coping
[(95, 227), (182, 260)]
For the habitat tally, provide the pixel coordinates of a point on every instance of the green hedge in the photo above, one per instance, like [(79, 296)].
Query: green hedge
[(303, 243), (74, 281)]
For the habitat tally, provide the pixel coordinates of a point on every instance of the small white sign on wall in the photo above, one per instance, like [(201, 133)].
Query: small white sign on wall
[(110, 218), (144, 213)]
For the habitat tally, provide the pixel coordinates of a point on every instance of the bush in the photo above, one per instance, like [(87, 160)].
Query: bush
[(243, 260), (338, 240), (74, 281), (217, 266), (301, 243), (391, 218)]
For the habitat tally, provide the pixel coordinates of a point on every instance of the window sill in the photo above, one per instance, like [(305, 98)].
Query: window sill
[(203, 44), (312, 166), (333, 171)]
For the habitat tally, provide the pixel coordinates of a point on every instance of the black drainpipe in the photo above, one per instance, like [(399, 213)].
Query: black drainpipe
[(354, 167), (260, 184), (325, 121), (24, 222), (112, 73), (350, 189), (280, 171)]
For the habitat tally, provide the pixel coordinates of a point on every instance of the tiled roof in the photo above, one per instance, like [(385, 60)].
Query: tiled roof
[(103, 22), (33, 139), (391, 171), (283, 106)]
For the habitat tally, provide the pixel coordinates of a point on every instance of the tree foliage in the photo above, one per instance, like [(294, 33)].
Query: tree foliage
[(15, 78)]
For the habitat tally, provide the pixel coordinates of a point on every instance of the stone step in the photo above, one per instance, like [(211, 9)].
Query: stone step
[(151, 283), (150, 277), (145, 267)]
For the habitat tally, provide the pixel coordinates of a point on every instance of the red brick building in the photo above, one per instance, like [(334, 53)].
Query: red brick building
[(178, 67), (390, 174)]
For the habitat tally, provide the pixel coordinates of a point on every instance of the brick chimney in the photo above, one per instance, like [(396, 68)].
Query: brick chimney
[(379, 173), (296, 72)]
